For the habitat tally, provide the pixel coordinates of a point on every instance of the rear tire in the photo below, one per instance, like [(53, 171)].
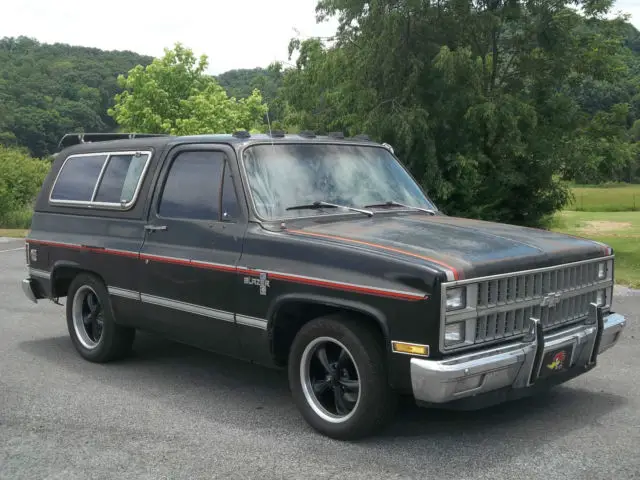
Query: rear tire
[(91, 322), (338, 377)]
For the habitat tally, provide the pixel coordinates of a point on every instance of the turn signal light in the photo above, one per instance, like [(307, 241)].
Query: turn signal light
[(410, 348)]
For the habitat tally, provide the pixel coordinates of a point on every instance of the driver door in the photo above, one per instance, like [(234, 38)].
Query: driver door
[(192, 244)]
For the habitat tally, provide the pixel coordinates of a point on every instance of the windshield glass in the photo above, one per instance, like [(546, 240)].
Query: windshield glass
[(285, 175)]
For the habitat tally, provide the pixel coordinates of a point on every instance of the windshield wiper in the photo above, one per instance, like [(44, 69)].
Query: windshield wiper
[(397, 204), (320, 204)]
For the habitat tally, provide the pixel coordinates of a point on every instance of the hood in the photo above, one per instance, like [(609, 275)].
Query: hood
[(464, 248)]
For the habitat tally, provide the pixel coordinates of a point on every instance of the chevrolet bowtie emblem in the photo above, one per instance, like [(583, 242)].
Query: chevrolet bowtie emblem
[(550, 300)]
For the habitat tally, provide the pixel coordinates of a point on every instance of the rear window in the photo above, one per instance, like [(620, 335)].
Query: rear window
[(100, 179)]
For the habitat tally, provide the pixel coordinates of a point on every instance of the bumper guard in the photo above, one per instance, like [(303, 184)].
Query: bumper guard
[(517, 367)]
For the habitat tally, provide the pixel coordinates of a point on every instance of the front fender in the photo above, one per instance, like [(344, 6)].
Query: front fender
[(328, 301)]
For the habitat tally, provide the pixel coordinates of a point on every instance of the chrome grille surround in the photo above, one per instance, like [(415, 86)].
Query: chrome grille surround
[(498, 307)]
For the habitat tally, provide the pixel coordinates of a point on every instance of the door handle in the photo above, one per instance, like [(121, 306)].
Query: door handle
[(155, 228)]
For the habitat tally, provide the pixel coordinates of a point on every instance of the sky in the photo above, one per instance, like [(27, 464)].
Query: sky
[(232, 33)]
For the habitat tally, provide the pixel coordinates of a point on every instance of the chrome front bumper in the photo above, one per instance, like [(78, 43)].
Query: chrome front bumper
[(28, 289), (516, 366)]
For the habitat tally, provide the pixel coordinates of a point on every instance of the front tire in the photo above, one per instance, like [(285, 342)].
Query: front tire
[(338, 377), (91, 322)]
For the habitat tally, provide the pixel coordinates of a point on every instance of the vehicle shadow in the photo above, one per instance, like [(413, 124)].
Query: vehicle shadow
[(242, 395)]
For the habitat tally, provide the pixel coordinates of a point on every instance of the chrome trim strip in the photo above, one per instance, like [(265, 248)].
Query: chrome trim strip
[(40, 273), (100, 175), (188, 307), (251, 321), (106, 205), (124, 293)]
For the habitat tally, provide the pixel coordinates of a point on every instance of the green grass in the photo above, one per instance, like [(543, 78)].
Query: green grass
[(606, 198), (13, 232), (620, 230)]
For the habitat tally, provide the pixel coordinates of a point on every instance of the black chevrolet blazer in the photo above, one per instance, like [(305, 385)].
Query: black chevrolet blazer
[(321, 255)]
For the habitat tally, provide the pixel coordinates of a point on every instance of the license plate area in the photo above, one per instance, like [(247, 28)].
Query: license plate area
[(556, 360)]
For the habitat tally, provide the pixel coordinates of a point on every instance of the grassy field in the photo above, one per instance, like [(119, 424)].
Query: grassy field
[(13, 232), (620, 230), (613, 198)]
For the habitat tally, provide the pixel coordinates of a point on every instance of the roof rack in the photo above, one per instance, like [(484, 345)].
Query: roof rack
[(77, 138)]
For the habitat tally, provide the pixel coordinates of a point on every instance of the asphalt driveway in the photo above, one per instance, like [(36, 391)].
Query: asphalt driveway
[(175, 412)]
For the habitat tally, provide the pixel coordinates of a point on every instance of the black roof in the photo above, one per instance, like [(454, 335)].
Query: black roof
[(79, 142)]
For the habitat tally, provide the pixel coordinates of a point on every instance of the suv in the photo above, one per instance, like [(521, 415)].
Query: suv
[(316, 254)]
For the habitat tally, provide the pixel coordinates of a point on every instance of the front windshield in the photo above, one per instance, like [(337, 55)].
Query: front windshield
[(285, 175)]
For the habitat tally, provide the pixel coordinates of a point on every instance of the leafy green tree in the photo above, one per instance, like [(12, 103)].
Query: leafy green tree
[(173, 95), (241, 83), (475, 96), (21, 177)]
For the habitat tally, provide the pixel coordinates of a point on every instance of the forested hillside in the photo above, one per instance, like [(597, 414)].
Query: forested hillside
[(240, 83), (49, 90)]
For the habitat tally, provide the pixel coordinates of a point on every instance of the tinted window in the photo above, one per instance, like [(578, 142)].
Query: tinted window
[(229, 198), (192, 187), (78, 178), (120, 178)]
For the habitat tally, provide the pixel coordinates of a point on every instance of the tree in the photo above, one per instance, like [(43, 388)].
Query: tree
[(21, 177), (473, 95), (174, 95)]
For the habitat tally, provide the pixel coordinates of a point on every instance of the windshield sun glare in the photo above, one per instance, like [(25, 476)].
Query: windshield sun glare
[(282, 176)]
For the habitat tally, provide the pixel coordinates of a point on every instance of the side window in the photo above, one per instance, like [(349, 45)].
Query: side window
[(192, 187), (229, 200), (88, 179), (77, 178), (120, 178)]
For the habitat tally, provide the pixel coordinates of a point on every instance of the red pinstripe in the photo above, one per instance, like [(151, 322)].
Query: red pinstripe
[(229, 268)]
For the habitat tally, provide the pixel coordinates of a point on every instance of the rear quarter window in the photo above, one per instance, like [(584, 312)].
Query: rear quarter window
[(78, 178), (101, 179)]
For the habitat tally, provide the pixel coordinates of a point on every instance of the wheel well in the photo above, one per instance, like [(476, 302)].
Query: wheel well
[(292, 316), (61, 279)]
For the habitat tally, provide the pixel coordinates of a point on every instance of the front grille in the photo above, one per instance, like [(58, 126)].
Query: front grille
[(511, 323), (522, 287), (500, 307)]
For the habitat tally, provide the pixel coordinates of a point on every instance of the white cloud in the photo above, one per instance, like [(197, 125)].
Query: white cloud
[(233, 33)]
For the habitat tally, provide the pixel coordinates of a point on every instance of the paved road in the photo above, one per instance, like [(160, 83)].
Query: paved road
[(176, 412)]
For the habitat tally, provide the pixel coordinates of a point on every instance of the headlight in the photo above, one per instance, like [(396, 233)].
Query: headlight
[(456, 298), (454, 333), (602, 270), (601, 297)]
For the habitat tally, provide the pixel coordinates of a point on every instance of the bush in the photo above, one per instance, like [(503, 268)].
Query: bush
[(21, 177)]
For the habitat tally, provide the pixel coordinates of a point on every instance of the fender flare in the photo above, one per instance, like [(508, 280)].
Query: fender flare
[(328, 301)]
